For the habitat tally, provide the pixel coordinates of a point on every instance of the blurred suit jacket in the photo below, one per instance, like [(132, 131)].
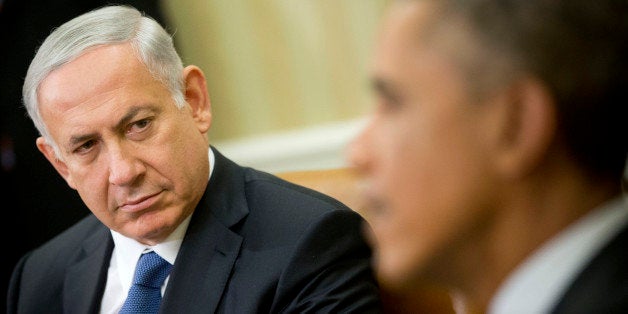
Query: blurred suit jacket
[(255, 244), (602, 287)]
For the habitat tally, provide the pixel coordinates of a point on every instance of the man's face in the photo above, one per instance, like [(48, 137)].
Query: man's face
[(138, 162), (422, 153)]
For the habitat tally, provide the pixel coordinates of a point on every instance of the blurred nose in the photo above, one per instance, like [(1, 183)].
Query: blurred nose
[(357, 153), (124, 167)]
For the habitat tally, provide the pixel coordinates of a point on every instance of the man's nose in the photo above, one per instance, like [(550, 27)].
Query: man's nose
[(124, 167), (357, 153)]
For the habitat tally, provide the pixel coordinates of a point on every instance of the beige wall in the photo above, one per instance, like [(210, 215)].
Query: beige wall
[(278, 65)]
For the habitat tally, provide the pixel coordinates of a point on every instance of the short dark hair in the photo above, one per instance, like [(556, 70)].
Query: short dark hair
[(578, 48)]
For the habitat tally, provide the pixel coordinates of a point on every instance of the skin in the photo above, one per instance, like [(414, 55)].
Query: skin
[(455, 182), (422, 136), (137, 161)]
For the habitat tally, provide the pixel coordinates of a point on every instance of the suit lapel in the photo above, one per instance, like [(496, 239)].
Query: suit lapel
[(602, 287), (210, 248), (85, 280)]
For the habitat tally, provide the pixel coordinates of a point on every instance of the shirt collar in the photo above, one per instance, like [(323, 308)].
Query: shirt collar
[(537, 284), (128, 250)]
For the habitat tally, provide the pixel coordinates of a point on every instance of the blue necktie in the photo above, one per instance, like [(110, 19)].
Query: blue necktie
[(145, 293)]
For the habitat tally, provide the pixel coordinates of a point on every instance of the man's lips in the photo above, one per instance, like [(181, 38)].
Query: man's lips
[(140, 203)]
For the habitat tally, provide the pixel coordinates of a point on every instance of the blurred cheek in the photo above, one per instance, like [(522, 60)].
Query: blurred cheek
[(402, 229), (396, 242)]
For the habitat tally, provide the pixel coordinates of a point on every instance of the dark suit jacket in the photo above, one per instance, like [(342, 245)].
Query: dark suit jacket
[(602, 287), (255, 244)]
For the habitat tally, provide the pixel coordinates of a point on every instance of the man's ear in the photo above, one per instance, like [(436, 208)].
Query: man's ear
[(197, 97), (59, 165), (526, 129)]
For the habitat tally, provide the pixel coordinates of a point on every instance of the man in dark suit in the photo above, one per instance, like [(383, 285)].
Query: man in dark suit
[(41, 205), (494, 160), (125, 124)]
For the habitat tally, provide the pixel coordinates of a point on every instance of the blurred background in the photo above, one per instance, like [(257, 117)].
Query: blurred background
[(287, 80)]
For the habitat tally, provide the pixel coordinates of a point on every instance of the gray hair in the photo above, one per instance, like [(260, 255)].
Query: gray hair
[(108, 25)]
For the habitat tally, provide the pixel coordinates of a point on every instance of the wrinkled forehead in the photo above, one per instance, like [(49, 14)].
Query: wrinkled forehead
[(100, 68)]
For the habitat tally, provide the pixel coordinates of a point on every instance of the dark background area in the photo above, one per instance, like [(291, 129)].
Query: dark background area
[(36, 203)]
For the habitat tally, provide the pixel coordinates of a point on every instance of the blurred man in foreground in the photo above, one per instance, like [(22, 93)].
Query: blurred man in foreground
[(494, 160)]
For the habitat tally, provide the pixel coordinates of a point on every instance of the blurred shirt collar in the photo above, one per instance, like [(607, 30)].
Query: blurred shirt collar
[(539, 282)]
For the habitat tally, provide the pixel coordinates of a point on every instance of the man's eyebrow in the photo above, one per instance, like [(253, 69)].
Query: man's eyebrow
[(134, 111), (129, 116), (77, 139), (384, 88), (378, 84)]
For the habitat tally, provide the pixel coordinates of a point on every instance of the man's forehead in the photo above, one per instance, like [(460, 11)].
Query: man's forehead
[(408, 25), (400, 36), (94, 72)]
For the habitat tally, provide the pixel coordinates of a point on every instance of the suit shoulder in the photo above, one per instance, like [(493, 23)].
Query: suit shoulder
[(278, 207), (260, 184), (602, 286), (67, 242)]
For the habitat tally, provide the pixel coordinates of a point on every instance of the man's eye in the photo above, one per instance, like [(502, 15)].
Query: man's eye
[(139, 126), (85, 147)]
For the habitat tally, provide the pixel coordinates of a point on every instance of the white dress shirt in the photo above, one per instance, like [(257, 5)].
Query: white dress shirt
[(126, 253), (538, 283)]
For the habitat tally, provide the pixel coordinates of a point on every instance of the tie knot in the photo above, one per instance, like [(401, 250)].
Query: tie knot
[(151, 270)]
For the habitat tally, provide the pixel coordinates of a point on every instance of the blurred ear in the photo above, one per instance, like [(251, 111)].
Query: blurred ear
[(526, 129), (59, 165), (197, 97)]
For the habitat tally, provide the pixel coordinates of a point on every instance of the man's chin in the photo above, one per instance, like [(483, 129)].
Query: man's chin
[(392, 274)]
